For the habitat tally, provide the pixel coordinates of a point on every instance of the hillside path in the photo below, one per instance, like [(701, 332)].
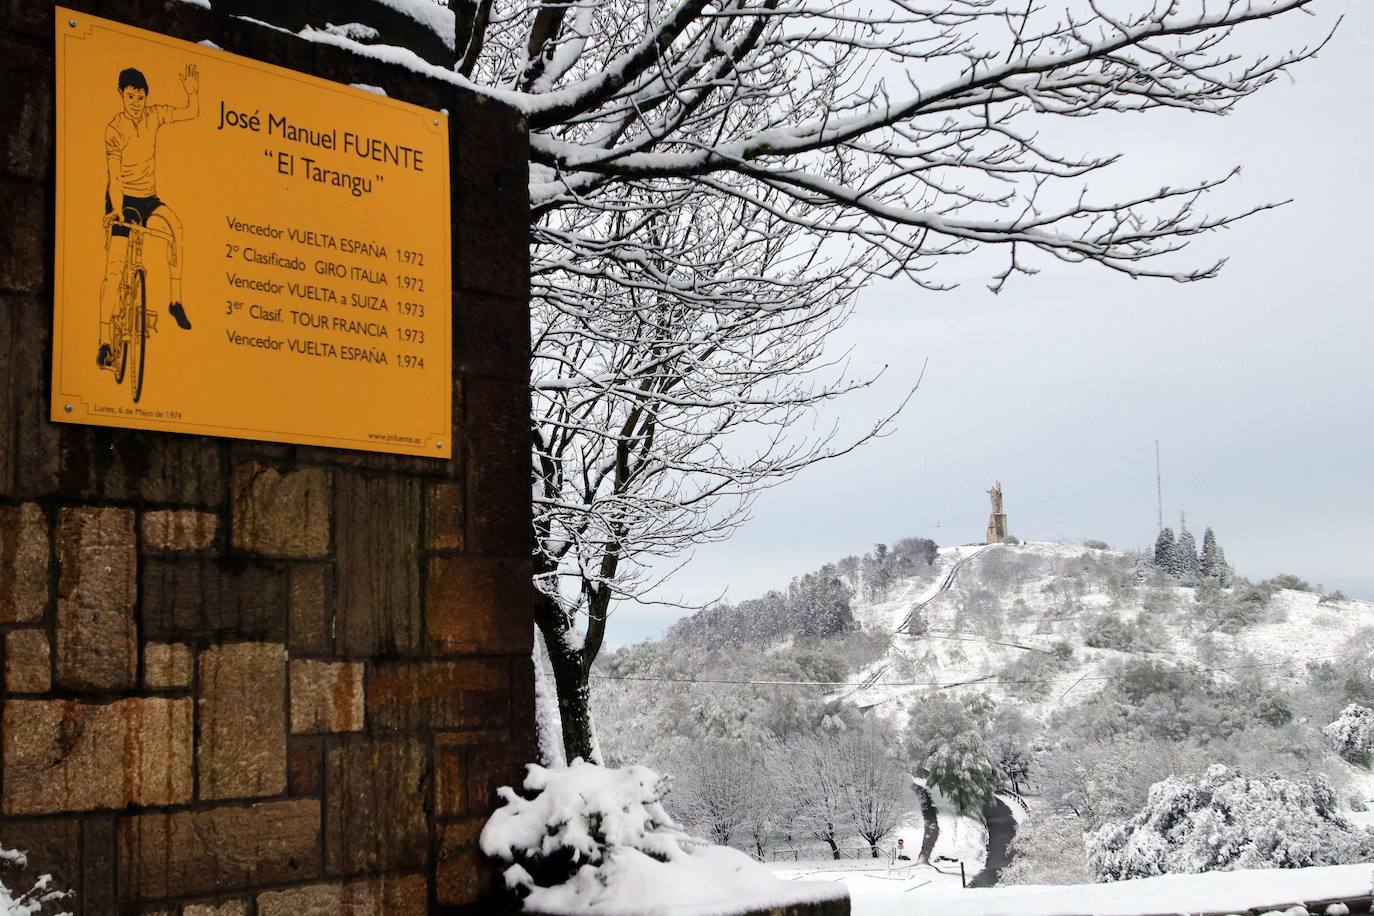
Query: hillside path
[(1001, 829), (944, 586)]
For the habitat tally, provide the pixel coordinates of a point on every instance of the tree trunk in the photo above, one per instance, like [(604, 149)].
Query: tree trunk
[(834, 847), (574, 701), (931, 825), (873, 846), (570, 672)]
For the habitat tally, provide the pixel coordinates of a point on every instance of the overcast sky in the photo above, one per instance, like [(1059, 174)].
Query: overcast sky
[(1257, 384)]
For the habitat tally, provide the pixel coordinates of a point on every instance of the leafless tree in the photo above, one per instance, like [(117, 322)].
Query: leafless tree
[(811, 768), (696, 163), (878, 791), (712, 787)]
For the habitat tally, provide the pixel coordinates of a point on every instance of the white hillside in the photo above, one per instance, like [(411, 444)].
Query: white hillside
[(1008, 609)]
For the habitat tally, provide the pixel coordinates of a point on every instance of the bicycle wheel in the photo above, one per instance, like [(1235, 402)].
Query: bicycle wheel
[(138, 334), (121, 360)]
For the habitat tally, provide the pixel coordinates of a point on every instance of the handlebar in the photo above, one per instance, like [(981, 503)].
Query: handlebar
[(134, 223)]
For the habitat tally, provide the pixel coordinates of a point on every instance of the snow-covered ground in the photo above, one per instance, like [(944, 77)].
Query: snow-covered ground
[(886, 891)]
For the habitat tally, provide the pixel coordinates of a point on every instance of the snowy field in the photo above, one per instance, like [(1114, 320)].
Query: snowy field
[(919, 890)]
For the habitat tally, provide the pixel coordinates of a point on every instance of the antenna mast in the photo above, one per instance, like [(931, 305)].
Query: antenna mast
[(1159, 488)]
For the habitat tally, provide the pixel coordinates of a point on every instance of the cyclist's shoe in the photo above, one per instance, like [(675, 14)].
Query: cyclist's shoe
[(179, 313), (105, 357)]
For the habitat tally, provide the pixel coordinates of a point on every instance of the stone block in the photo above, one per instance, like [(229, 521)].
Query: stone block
[(450, 782), (479, 605), (493, 233), (204, 599), (175, 530), (444, 516), (462, 875), (218, 850), (28, 115), (23, 563), (377, 584), (24, 253), (496, 450), (168, 666), (97, 896), (227, 908), (310, 631), (462, 694), (383, 895), (97, 562), (489, 768), (66, 755), (24, 17), (326, 696), (28, 663), (303, 768), (492, 337), (241, 750), (278, 514), (375, 794), (9, 306), (107, 463)]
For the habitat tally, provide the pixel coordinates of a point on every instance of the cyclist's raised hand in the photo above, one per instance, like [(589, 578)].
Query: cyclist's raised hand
[(190, 79)]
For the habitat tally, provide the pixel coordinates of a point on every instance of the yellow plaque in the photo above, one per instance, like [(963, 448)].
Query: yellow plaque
[(244, 250)]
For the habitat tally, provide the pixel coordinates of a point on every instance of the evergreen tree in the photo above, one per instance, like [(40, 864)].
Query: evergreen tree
[(1210, 556), (1164, 551), (1225, 577), (965, 772), (1185, 551)]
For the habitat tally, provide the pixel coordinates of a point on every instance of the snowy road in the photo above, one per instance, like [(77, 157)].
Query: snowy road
[(1001, 829)]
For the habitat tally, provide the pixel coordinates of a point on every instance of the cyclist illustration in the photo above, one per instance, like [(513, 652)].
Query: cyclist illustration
[(131, 204)]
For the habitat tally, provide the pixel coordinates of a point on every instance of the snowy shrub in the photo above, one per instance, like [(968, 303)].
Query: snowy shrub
[(594, 837), (32, 901), (1287, 580), (1226, 821), (1096, 545), (1108, 630), (1352, 734), (1231, 612), (1357, 803)]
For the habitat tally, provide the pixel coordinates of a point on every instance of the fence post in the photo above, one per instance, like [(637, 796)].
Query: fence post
[(962, 878)]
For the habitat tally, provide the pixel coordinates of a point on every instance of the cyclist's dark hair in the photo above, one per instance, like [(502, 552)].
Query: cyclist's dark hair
[(129, 77)]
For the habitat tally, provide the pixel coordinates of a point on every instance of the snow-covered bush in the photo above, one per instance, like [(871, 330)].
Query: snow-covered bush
[(1227, 821), (32, 901), (589, 838), (1047, 850), (1352, 734), (1108, 630)]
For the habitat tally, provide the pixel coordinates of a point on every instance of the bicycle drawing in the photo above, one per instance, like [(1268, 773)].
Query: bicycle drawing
[(131, 204), (132, 322)]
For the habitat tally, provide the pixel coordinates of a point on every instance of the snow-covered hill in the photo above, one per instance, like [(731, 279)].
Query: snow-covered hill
[(1015, 622)]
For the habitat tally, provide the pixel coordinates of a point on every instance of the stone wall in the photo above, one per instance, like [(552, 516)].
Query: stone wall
[(242, 677)]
